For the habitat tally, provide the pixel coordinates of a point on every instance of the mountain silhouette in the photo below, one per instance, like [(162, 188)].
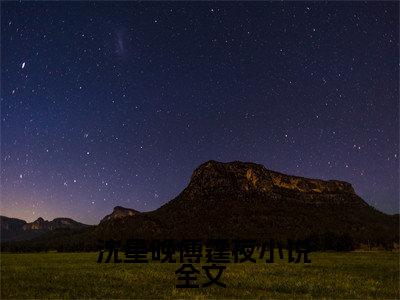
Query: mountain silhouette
[(246, 200)]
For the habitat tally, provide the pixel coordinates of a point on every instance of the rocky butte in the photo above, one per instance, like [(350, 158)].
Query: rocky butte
[(246, 200)]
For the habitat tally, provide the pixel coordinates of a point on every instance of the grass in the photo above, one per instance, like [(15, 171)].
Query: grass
[(77, 275)]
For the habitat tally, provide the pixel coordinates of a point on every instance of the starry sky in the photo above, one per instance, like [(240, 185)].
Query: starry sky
[(116, 103)]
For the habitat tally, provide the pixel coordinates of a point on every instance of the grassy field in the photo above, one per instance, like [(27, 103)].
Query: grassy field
[(77, 275)]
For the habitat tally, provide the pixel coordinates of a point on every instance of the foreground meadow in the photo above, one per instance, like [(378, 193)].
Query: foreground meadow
[(77, 275)]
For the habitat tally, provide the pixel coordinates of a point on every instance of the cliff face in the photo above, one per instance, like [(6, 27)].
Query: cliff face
[(246, 200), (38, 224), (214, 176)]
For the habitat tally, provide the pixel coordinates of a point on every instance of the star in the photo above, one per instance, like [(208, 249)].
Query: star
[(291, 91)]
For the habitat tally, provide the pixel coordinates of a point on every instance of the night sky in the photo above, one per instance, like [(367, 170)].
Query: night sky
[(116, 103)]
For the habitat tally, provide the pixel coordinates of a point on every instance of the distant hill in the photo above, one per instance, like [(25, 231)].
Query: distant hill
[(13, 229), (10, 228), (246, 200)]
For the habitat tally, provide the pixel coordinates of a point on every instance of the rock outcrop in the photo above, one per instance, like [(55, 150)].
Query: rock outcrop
[(120, 212)]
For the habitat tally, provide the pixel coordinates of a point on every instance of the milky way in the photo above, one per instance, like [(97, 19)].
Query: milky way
[(116, 103)]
